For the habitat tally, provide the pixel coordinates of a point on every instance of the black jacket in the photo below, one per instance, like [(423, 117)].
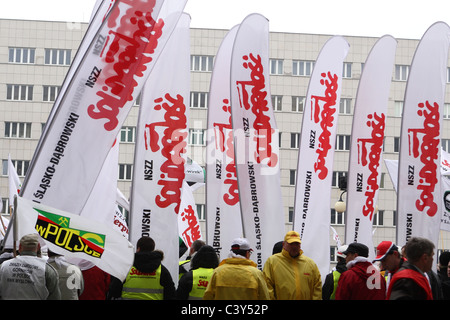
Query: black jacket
[(147, 262)]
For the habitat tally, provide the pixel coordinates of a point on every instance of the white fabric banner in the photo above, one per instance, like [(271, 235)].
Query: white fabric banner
[(161, 148), (76, 237), (74, 147), (367, 138), (256, 139), (419, 179), (223, 211), (188, 223), (13, 182), (316, 153)]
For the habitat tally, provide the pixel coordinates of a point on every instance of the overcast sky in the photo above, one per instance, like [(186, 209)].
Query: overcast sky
[(399, 18)]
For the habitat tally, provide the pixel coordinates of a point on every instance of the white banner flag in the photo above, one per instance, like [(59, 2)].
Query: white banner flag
[(316, 153), (366, 147), (13, 181), (223, 211), (256, 138), (102, 91), (160, 150), (419, 194), (188, 223), (76, 237)]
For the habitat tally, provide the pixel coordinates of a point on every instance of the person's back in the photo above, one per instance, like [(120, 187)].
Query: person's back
[(237, 279), (71, 282)]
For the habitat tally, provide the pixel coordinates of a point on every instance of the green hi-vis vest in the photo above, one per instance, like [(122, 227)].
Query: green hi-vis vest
[(200, 280), (143, 286), (336, 276), (182, 263)]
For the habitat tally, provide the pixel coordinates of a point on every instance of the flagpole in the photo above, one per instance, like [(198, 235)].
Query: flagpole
[(15, 226)]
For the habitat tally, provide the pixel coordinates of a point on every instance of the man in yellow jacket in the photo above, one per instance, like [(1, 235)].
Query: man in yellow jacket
[(237, 277), (290, 275)]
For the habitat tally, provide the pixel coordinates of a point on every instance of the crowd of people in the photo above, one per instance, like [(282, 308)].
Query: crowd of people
[(288, 274)]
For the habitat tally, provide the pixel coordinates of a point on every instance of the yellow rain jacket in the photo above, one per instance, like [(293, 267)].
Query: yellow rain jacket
[(237, 279), (292, 278)]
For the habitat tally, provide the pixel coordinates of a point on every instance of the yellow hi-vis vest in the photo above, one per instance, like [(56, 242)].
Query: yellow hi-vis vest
[(336, 276), (143, 286), (200, 280)]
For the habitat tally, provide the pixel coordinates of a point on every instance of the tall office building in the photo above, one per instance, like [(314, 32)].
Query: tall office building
[(35, 56)]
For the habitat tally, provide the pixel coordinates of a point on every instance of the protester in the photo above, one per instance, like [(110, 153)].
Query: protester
[(96, 281), (390, 259), (410, 281), (192, 284), (148, 278), (184, 265), (443, 273), (290, 275), (277, 247), (27, 276), (237, 277), (362, 280), (331, 279), (71, 282)]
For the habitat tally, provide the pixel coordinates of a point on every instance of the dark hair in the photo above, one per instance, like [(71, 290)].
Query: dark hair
[(416, 247), (146, 244), (206, 257), (197, 244)]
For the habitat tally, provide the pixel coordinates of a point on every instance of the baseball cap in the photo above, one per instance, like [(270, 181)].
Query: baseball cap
[(383, 249), (30, 240), (359, 248), (341, 250), (292, 236), (240, 244)]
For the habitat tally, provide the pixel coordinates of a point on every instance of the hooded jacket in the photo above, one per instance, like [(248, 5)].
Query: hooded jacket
[(148, 262), (205, 257), (291, 278), (237, 279), (361, 281)]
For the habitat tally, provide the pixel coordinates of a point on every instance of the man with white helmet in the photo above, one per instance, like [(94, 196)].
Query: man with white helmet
[(331, 280)]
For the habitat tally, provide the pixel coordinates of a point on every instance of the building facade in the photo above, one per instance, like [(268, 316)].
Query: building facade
[(35, 56)]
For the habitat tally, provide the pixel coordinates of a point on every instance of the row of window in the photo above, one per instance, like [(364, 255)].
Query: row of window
[(22, 130), (202, 63), (60, 57)]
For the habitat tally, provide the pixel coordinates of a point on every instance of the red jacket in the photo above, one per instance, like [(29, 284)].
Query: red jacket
[(361, 281)]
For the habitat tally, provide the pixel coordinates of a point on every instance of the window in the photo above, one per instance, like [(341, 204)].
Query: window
[(298, 103), (446, 113), (342, 142), (276, 102), (445, 144), (22, 55), (50, 93), (19, 92), (347, 70), (276, 66), (128, 134), (295, 140), (396, 144), (201, 211), (336, 217), (18, 130), (337, 175), (20, 165), (345, 106), (202, 63), (378, 218), (291, 214), (59, 57), (197, 137), (199, 100), (302, 68), (292, 174), (401, 72), (125, 171), (398, 108)]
